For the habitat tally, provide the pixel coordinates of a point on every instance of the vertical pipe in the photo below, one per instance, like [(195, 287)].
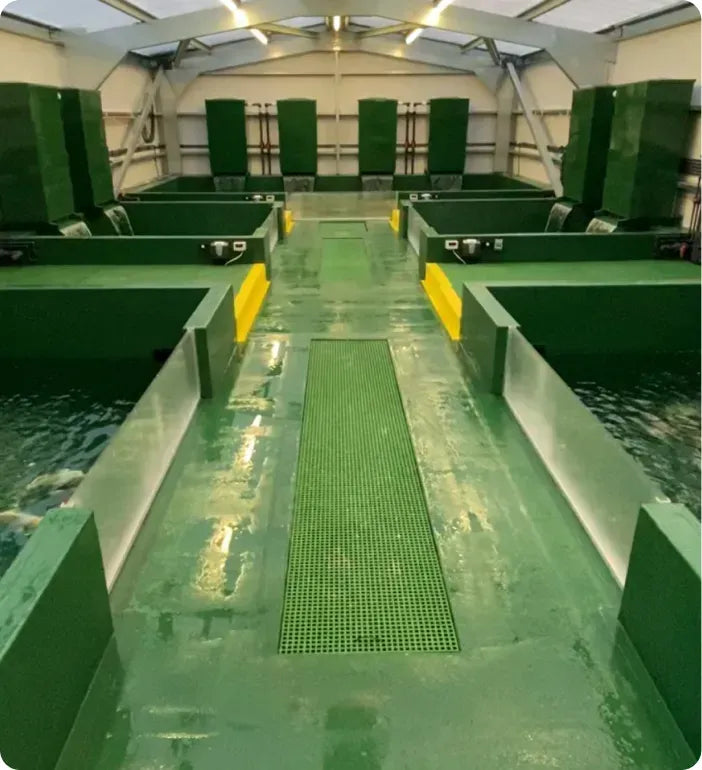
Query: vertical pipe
[(261, 143), (407, 137), (337, 110), (269, 149)]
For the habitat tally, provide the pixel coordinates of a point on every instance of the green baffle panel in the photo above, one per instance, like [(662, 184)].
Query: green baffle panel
[(35, 180), (226, 136), (649, 131), (585, 159), (377, 136), (86, 144), (448, 135), (297, 131), (363, 570)]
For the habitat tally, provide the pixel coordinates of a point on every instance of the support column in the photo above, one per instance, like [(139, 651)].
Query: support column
[(134, 132), (537, 128), (506, 100), (167, 104)]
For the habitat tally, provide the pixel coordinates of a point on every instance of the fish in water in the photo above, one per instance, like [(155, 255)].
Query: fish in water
[(63, 479), (17, 520)]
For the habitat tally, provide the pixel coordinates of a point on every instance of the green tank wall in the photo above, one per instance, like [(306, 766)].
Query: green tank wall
[(377, 136), (649, 131), (448, 135), (226, 136), (585, 159), (297, 131), (35, 181), (88, 156)]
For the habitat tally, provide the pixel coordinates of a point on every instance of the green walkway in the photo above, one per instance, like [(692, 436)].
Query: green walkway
[(543, 679)]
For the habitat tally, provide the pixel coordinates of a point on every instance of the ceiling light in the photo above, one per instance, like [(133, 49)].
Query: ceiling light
[(442, 5), (413, 35), (240, 16), (336, 23), (262, 39)]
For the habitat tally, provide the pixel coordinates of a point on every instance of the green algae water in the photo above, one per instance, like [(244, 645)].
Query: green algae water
[(55, 420), (651, 404)]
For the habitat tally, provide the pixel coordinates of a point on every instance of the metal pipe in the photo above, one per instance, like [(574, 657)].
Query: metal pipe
[(268, 138), (337, 109)]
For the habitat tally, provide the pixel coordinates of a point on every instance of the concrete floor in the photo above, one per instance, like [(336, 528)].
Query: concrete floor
[(544, 678)]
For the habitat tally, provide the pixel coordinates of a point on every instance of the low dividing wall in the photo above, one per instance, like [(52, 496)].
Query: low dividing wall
[(429, 244), (55, 626), (651, 546), (149, 249)]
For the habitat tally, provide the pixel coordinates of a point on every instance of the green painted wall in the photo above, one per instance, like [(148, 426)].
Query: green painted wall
[(488, 215), (55, 626), (214, 328), (89, 161), (377, 136), (552, 247), (585, 158), (599, 319), (35, 181), (661, 609), (93, 323), (143, 250), (297, 131), (485, 325), (649, 134), (192, 218), (448, 135), (338, 184), (226, 136)]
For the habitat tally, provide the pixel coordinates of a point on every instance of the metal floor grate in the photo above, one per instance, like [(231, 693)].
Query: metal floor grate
[(363, 570)]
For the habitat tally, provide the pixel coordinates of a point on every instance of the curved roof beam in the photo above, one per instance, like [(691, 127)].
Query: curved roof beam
[(584, 57)]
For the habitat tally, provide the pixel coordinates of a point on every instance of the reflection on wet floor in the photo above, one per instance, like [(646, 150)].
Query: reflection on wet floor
[(544, 677)]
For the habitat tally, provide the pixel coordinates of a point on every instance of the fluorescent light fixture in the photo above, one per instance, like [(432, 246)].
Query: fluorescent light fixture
[(336, 23), (442, 5), (240, 16), (262, 39), (413, 35)]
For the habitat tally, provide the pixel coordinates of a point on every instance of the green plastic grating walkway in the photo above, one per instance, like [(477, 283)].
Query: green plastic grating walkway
[(363, 570)]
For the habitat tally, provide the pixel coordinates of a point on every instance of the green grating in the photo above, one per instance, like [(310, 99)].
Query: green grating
[(345, 261), (363, 570)]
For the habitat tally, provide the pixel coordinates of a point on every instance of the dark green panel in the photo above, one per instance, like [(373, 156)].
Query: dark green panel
[(226, 136), (86, 144), (448, 135), (93, 323), (363, 570), (407, 182), (661, 608), (191, 218), (486, 215), (338, 183), (55, 625), (585, 159), (377, 136), (496, 181), (649, 131), (35, 181), (141, 250), (599, 319), (271, 184), (297, 131)]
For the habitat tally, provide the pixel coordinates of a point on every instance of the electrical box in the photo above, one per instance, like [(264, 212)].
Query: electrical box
[(377, 136), (649, 132), (297, 131), (448, 135), (226, 136)]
